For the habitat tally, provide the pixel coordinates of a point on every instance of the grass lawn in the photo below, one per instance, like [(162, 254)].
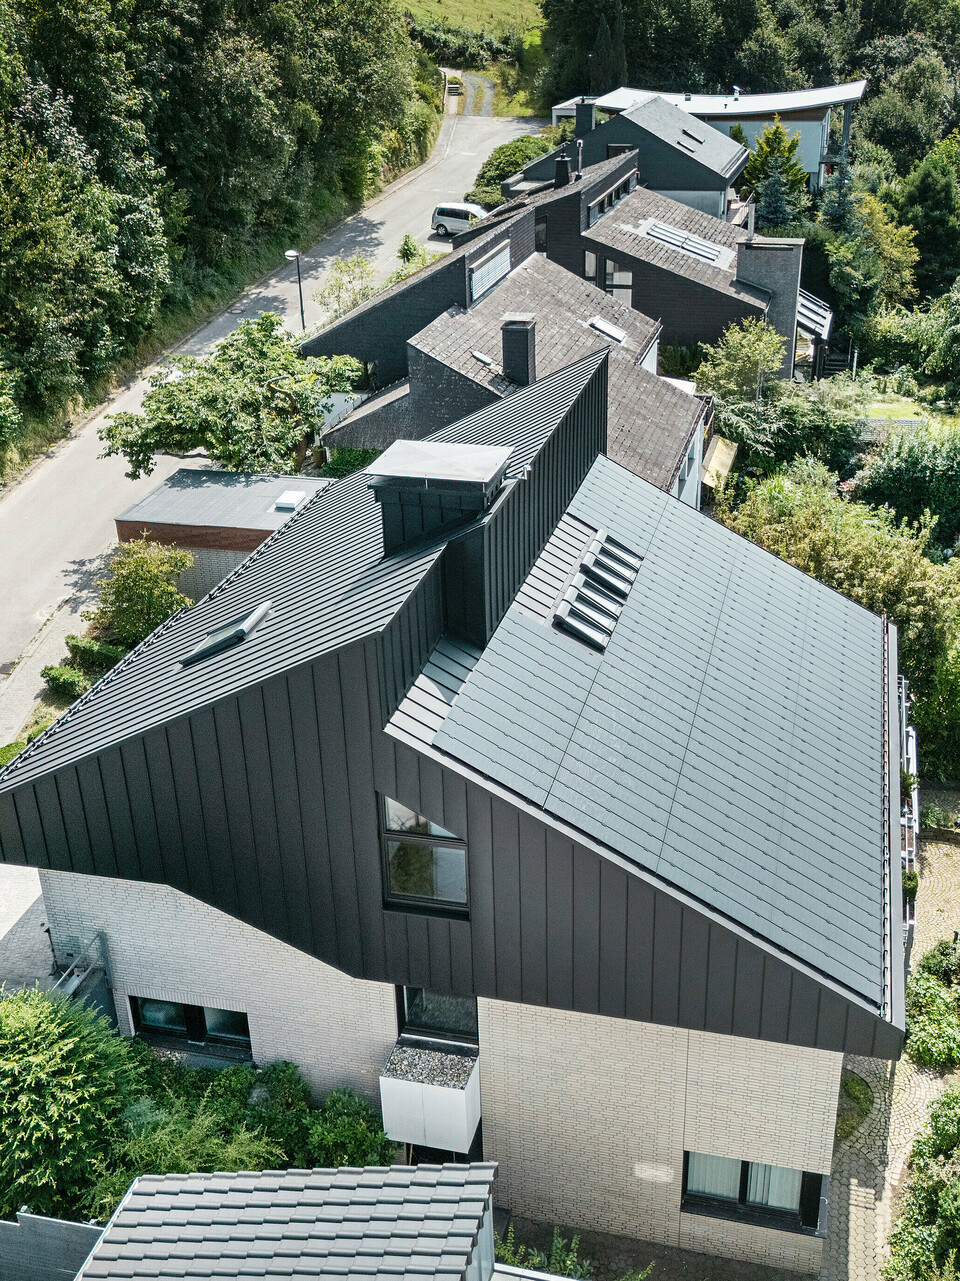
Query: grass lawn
[(479, 15), (891, 406), (515, 87), (856, 1100)]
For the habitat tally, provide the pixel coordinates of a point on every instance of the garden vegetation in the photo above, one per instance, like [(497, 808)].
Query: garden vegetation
[(926, 1238), (84, 1111), (156, 153)]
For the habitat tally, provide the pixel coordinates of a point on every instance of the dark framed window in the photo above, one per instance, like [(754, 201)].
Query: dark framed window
[(590, 266), (423, 863), (618, 283), (435, 1016), (752, 1191), (194, 1025)]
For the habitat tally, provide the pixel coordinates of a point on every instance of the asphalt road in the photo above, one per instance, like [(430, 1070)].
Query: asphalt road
[(56, 524)]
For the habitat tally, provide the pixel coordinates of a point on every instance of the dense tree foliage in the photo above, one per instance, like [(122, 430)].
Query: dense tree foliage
[(65, 1081), (745, 358), (149, 147), (866, 554), (918, 470), (253, 404)]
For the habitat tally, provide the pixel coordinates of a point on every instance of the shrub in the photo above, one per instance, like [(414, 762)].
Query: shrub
[(348, 1130), (10, 750), (93, 656), (461, 46), (856, 1100), (934, 815), (141, 592), (942, 962), (65, 1080), (563, 1259), (280, 1107), (65, 682), (910, 884), (746, 357), (347, 461), (503, 162), (933, 1038), (175, 1138)]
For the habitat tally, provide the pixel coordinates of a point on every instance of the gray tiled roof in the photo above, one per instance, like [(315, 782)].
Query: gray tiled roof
[(227, 499), (691, 137), (405, 1222), (728, 739), (618, 230), (324, 574), (650, 422)]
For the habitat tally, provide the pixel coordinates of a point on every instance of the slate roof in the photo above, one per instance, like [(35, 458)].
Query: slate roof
[(708, 146), (416, 1223), (545, 192), (728, 739), (226, 499), (621, 231), (650, 423), (323, 573)]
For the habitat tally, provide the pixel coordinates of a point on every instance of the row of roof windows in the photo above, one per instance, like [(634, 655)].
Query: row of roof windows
[(591, 605), (684, 240)]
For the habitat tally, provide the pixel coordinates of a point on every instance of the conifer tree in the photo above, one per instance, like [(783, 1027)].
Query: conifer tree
[(776, 204), (775, 141), (838, 210), (603, 62), (930, 202)]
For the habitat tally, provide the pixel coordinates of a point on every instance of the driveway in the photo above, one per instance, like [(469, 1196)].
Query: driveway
[(57, 522)]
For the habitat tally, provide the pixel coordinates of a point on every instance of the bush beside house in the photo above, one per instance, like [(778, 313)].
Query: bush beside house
[(84, 1111)]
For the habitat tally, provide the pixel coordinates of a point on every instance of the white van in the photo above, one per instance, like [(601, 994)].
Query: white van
[(449, 219)]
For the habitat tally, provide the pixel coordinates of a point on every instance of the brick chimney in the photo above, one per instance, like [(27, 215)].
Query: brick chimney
[(518, 337)]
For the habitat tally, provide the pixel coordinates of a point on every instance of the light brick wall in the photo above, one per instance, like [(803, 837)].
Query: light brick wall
[(168, 946), (589, 1118)]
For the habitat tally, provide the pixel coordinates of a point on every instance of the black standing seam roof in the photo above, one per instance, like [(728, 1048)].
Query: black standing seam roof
[(398, 1221), (712, 743), (325, 576)]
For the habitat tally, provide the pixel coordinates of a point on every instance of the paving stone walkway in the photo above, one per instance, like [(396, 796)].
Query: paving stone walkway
[(869, 1168)]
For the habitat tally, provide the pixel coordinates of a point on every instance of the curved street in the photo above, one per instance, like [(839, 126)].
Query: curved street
[(57, 523)]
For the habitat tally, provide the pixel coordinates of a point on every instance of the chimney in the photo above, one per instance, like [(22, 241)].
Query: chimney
[(579, 159), (422, 485), (586, 117), (773, 265), (562, 173), (518, 335)]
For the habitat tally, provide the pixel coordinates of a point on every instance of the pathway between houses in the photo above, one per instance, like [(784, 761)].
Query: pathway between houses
[(869, 1168)]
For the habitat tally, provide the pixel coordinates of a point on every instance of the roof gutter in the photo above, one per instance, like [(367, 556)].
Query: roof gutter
[(894, 964)]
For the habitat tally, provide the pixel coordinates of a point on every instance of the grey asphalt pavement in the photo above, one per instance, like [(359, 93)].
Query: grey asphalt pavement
[(57, 522)]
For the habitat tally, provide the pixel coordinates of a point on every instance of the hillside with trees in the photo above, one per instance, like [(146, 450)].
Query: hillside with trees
[(156, 153)]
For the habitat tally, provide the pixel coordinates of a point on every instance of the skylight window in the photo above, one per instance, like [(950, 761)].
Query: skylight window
[(483, 358), (289, 500), (591, 605), (227, 637), (679, 239), (610, 331)]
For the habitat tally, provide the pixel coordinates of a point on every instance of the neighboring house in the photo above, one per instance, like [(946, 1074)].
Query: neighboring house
[(676, 156), (497, 749), (424, 1223), (218, 516), (803, 111), (532, 323)]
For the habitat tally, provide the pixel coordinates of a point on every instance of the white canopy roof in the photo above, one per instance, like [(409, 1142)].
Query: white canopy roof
[(743, 104)]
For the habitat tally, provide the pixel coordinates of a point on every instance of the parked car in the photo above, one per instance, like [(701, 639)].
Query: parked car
[(449, 219)]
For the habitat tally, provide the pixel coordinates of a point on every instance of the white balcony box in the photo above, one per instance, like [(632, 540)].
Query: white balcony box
[(431, 1098)]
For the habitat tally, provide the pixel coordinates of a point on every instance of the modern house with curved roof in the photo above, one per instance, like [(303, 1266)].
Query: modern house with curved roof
[(804, 111)]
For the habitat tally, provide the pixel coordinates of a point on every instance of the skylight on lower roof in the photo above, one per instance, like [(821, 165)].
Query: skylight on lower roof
[(679, 239), (227, 637), (591, 605), (610, 331)]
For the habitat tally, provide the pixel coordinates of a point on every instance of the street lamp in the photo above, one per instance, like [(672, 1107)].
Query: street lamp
[(293, 255)]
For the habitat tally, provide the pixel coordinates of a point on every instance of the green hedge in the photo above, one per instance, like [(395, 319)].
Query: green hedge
[(65, 682), (93, 656)]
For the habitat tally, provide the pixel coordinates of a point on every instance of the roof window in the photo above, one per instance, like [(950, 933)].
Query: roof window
[(227, 637), (678, 239), (591, 605), (610, 331), (289, 500)]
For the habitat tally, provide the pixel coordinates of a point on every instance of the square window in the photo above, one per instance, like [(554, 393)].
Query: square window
[(161, 1016), (420, 870), (226, 1025), (437, 1015)]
